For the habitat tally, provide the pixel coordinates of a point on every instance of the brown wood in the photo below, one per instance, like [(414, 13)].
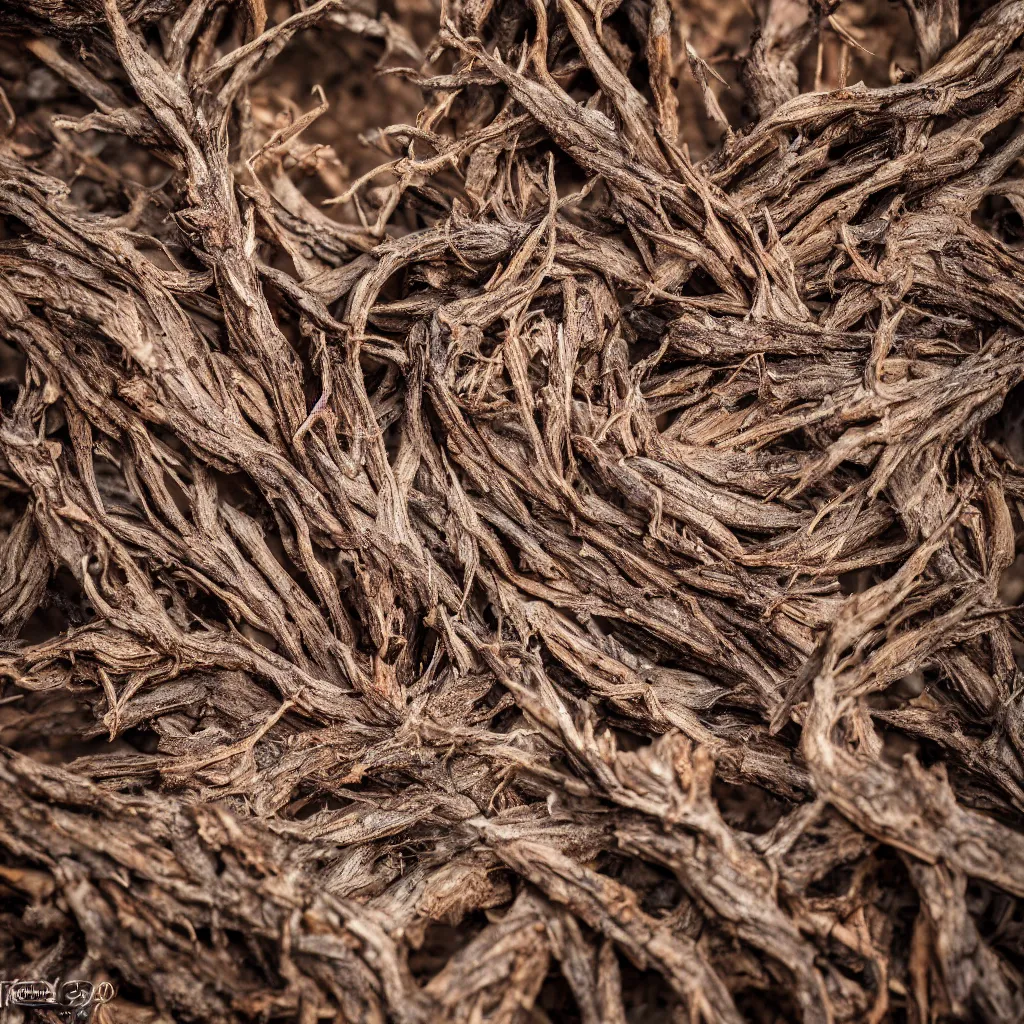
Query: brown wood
[(556, 558)]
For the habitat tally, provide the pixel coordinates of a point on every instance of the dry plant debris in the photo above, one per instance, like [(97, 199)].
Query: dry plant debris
[(512, 512)]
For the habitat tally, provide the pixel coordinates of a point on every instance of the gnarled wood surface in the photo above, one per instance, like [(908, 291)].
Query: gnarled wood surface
[(552, 558)]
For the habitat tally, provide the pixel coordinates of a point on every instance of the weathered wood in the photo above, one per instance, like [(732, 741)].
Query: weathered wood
[(555, 558)]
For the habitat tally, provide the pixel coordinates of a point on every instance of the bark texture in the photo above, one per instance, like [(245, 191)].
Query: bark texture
[(514, 512)]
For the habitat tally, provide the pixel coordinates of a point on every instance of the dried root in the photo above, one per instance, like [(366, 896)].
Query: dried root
[(513, 513)]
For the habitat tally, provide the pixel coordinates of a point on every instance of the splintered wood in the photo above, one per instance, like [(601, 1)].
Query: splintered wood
[(513, 512)]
